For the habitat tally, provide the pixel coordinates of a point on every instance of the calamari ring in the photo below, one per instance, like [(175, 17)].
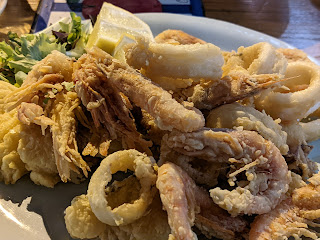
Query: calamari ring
[(311, 130), (297, 98), (177, 37), (176, 61), (127, 212), (236, 115), (260, 58)]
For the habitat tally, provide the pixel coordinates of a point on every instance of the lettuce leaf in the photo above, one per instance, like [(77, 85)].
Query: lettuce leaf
[(73, 31), (20, 54), (75, 34)]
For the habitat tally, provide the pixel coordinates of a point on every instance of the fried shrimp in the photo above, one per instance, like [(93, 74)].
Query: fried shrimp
[(267, 178), (187, 204), (179, 199), (167, 112), (298, 96), (308, 197), (236, 86), (127, 212), (176, 61), (177, 37), (294, 217), (281, 223), (238, 116)]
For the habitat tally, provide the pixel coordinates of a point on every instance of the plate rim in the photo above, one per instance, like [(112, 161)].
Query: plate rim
[(206, 20), (3, 4)]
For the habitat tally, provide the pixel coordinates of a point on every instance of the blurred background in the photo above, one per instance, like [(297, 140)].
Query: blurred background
[(293, 21)]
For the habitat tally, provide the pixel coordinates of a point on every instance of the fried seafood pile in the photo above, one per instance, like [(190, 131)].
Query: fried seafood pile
[(190, 141)]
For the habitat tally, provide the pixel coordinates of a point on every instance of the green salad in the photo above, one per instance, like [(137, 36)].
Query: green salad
[(20, 53)]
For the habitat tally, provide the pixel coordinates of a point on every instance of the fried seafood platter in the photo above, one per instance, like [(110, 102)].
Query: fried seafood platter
[(175, 139)]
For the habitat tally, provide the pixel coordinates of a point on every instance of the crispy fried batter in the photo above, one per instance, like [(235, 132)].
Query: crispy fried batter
[(260, 58), (294, 55), (293, 217), (281, 223), (177, 37), (11, 166), (56, 62)]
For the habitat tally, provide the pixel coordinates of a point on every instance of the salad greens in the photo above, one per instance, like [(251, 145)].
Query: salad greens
[(69, 33), (19, 54)]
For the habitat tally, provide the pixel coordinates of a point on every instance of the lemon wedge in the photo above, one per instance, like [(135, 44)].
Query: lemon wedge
[(118, 51), (114, 26)]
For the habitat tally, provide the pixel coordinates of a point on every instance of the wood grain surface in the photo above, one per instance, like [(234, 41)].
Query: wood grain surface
[(17, 16), (296, 22)]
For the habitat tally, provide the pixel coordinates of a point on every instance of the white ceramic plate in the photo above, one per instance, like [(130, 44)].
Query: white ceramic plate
[(32, 212), (3, 4)]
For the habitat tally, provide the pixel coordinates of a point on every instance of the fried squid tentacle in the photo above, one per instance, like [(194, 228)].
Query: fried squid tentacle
[(64, 135), (260, 58), (245, 73), (298, 96), (266, 172), (27, 92), (107, 105), (32, 113), (168, 113)]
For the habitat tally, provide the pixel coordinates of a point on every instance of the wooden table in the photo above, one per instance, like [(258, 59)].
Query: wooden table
[(296, 22), (17, 16)]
